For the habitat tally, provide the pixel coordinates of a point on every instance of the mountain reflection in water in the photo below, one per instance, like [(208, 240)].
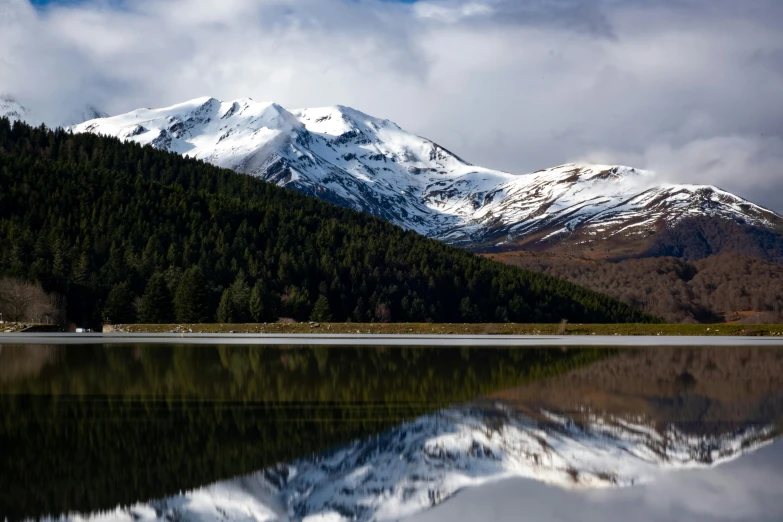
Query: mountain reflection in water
[(361, 433), (746, 489)]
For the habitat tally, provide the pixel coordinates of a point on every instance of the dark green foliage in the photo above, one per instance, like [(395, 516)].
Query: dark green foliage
[(83, 214), (321, 310), (227, 312), (239, 291), (295, 303), (119, 305), (155, 305), (191, 302), (468, 311), (264, 304)]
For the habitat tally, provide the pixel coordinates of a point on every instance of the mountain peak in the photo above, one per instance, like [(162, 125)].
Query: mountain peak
[(339, 119), (228, 134)]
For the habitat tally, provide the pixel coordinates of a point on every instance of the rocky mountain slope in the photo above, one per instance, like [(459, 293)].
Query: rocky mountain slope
[(420, 464), (350, 158)]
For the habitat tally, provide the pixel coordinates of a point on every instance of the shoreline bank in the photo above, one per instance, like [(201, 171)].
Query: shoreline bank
[(487, 329), (373, 340)]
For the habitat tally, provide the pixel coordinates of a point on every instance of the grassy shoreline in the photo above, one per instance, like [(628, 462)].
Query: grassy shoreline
[(458, 329)]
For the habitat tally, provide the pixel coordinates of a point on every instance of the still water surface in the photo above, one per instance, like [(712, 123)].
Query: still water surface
[(199, 432)]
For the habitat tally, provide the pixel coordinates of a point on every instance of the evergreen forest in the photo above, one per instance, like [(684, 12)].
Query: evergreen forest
[(126, 233)]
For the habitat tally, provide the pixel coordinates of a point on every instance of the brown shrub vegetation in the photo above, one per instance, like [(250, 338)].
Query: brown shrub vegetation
[(28, 302), (713, 289)]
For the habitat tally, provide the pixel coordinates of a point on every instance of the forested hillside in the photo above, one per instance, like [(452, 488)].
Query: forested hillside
[(701, 237), (132, 233), (725, 287)]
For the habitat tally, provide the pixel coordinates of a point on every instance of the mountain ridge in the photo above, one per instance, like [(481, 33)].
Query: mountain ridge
[(370, 164)]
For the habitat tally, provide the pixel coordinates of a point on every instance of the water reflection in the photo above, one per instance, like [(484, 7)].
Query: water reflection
[(702, 390), (97, 426), (362, 433), (742, 490)]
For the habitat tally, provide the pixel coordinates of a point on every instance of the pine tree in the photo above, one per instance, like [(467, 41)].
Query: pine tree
[(359, 311), (264, 304), (59, 271), (469, 312), (240, 295), (119, 305), (256, 303), (191, 300), (81, 270), (227, 312), (156, 306), (321, 310)]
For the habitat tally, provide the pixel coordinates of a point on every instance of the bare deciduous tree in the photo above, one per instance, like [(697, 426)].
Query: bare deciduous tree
[(28, 302)]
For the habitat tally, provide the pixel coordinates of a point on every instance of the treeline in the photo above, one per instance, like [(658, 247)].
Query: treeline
[(93, 427), (130, 233), (725, 287)]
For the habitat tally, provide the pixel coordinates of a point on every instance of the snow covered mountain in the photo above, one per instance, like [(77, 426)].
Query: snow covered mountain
[(419, 464), (350, 158)]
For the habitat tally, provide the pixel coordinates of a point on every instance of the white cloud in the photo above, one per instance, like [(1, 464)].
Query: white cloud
[(691, 88), (448, 13)]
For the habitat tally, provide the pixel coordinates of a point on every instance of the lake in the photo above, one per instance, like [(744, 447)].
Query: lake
[(203, 432)]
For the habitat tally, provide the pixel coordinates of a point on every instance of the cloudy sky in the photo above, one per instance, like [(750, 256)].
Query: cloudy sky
[(690, 88)]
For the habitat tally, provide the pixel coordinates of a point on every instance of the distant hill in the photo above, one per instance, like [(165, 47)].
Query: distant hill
[(124, 230)]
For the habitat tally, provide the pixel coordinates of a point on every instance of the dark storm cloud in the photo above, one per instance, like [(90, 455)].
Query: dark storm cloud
[(690, 88)]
